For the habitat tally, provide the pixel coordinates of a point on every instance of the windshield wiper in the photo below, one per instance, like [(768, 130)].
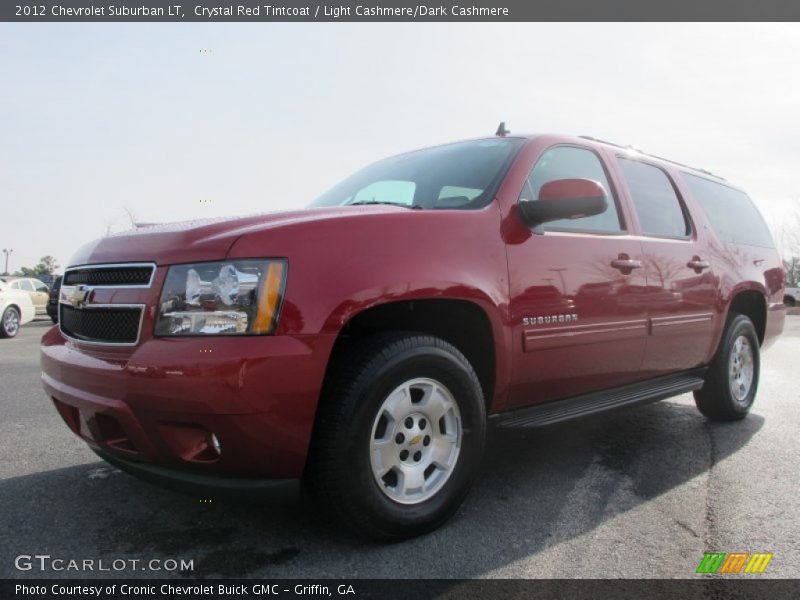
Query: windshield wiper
[(365, 202)]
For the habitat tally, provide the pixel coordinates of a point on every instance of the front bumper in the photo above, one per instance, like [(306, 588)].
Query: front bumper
[(160, 402), (203, 485)]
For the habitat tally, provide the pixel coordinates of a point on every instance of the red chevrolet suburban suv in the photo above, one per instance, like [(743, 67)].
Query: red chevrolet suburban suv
[(362, 345)]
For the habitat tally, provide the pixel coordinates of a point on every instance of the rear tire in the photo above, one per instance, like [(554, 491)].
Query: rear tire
[(10, 323), (789, 301), (732, 379), (398, 437)]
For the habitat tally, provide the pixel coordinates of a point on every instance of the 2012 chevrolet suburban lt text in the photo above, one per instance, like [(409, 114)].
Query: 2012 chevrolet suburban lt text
[(361, 346)]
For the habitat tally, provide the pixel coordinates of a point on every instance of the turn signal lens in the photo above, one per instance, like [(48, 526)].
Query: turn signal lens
[(269, 299)]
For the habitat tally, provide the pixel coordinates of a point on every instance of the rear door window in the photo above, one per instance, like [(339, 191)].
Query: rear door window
[(26, 285), (654, 197)]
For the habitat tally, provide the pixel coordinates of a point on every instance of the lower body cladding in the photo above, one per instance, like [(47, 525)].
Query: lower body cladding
[(199, 414)]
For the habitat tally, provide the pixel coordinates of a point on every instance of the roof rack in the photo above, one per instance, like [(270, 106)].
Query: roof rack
[(594, 139), (674, 162)]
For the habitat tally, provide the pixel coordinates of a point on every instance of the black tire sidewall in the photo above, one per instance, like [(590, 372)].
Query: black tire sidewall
[(390, 517)]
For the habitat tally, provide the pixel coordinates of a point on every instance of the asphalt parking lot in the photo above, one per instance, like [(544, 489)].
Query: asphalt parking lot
[(642, 493)]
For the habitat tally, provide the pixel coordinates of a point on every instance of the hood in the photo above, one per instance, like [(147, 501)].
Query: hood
[(203, 240)]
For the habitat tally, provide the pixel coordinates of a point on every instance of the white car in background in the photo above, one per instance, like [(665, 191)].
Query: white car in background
[(16, 309), (37, 290), (791, 296)]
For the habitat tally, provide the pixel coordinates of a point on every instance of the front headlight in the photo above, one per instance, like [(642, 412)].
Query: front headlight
[(225, 298)]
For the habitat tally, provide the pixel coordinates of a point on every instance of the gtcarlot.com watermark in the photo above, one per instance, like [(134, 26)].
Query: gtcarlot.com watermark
[(45, 563)]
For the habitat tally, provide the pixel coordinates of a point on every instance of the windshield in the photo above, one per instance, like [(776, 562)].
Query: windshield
[(464, 175)]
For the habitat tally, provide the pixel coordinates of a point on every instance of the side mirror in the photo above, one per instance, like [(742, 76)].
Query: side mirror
[(564, 199)]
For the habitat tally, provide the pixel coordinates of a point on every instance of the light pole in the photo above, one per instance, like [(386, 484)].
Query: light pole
[(7, 252), (560, 272)]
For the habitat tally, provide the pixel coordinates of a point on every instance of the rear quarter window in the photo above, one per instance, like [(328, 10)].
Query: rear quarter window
[(732, 214)]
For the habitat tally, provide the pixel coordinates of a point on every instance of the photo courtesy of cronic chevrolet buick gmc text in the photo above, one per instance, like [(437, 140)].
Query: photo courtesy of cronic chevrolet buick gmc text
[(362, 345)]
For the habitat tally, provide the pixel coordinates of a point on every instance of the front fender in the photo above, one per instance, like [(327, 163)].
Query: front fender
[(340, 267)]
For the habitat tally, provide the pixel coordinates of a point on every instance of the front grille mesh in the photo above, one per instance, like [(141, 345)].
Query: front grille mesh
[(104, 325), (110, 276)]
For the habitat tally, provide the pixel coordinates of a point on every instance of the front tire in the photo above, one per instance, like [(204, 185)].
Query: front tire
[(399, 435), (732, 379), (789, 301), (10, 324)]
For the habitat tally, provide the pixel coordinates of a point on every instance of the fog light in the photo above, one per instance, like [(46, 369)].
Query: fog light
[(215, 444)]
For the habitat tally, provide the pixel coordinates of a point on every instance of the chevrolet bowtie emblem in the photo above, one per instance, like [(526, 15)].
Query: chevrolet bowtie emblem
[(80, 296)]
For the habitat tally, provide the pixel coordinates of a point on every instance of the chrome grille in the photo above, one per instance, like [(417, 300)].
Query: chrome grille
[(87, 314)]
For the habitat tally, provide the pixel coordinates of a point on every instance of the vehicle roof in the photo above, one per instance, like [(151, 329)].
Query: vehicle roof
[(587, 140), (10, 278)]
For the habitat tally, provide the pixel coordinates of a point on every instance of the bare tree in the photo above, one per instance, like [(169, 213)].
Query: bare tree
[(788, 238), (47, 266)]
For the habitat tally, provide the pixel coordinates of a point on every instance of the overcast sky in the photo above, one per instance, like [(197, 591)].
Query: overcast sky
[(180, 121)]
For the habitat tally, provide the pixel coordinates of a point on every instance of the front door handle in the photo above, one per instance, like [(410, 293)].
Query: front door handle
[(698, 264), (626, 264)]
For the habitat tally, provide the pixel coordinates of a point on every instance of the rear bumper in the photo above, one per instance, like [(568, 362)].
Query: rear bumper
[(167, 403)]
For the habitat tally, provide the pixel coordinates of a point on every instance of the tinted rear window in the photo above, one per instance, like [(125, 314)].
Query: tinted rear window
[(731, 213)]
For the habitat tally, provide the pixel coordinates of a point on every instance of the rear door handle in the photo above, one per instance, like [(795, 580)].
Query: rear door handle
[(626, 264), (698, 264)]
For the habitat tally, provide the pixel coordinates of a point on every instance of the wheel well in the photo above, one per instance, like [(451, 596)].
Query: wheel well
[(459, 322), (752, 305)]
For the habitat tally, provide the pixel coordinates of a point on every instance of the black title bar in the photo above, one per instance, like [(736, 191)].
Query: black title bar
[(397, 10), (399, 589)]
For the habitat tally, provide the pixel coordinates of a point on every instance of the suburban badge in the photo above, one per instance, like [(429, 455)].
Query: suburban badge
[(550, 319)]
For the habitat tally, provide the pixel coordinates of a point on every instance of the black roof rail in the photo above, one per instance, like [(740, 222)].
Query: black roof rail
[(594, 139), (674, 162)]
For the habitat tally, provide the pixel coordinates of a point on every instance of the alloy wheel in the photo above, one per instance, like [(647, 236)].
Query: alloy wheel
[(741, 369), (415, 441)]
